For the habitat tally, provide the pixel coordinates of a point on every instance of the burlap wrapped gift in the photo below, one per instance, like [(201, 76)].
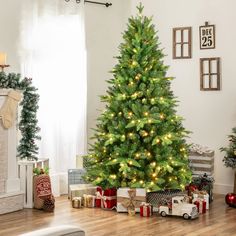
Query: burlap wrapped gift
[(123, 199), (42, 190)]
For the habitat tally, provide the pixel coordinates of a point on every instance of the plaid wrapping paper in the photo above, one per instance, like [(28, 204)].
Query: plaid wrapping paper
[(75, 176), (162, 197)]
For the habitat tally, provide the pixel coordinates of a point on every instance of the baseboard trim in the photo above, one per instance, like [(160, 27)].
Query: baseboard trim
[(59, 183), (222, 188)]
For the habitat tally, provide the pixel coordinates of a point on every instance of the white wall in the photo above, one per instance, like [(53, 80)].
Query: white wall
[(9, 28), (209, 115), (104, 27)]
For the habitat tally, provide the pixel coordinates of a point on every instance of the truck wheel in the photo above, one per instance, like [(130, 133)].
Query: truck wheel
[(186, 216), (163, 214)]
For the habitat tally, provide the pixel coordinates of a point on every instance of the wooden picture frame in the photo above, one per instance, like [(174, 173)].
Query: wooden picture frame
[(182, 43), (207, 36), (210, 74)]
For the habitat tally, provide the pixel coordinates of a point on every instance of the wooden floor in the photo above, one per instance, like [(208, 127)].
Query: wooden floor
[(220, 220)]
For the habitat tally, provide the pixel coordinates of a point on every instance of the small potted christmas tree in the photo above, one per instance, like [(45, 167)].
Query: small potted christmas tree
[(230, 154)]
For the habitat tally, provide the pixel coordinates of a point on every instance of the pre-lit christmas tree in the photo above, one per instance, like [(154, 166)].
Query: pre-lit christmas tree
[(139, 140)]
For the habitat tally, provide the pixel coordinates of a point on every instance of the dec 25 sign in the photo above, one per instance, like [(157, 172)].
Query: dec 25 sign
[(207, 36)]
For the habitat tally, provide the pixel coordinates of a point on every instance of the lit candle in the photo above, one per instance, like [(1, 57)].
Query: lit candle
[(3, 58)]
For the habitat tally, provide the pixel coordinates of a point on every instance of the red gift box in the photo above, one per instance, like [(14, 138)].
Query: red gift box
[(106, 198), (201, 205), (146, 209), (191, 188)]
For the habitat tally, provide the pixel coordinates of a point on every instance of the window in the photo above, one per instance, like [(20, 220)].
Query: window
[(182, 42), (210, 74)]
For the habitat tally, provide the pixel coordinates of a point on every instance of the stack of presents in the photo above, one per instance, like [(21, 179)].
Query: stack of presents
[(199, 192)]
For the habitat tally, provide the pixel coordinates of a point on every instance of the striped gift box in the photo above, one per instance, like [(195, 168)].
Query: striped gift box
[(201, 163)]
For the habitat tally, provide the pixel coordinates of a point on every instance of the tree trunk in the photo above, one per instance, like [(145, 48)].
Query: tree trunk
[(235, 181)]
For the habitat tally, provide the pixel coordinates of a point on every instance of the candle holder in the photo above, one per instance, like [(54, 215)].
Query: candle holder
[(3, 66)]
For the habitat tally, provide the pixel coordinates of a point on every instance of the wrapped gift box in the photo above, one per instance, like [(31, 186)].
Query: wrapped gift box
[(123, 199), (89, 200), (204, 183), (201, 160), (145, 209), (201, 205), (203, 195), (77, 202), (106, 199), (78, 190)]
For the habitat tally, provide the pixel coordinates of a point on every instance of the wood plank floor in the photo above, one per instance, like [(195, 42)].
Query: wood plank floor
[(220, 220)]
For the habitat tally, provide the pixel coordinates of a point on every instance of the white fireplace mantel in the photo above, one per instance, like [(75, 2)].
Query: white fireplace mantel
[(9, 181)]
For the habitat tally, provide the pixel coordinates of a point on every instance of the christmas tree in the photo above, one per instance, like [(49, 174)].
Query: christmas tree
[(139, 139), (230, 154), (230, 151)]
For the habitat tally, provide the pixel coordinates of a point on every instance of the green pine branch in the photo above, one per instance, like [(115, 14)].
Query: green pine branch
[(28, 124)]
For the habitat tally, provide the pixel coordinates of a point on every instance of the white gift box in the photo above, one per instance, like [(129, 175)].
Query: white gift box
[(123, 199), (205, 197)]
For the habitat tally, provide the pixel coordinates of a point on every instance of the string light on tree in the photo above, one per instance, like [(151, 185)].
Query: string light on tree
[(137, 155), (138, 76), (162, 116), (153, 164)]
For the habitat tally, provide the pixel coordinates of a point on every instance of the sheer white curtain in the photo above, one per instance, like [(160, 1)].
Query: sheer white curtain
[(52, 51)]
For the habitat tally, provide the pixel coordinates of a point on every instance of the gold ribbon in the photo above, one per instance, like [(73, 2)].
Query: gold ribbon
[(125, 202), (200, 193), (104, 198)]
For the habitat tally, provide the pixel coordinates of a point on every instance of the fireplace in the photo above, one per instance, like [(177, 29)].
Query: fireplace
[(11, 198)]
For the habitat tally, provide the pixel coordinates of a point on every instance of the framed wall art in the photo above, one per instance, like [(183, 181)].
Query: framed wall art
[(207, 36), (182, 42), (210, 74)]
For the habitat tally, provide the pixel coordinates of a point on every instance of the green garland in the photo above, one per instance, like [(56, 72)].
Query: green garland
[(27, 148)]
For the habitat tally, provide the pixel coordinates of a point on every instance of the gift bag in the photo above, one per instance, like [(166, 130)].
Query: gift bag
[(42, 190)]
